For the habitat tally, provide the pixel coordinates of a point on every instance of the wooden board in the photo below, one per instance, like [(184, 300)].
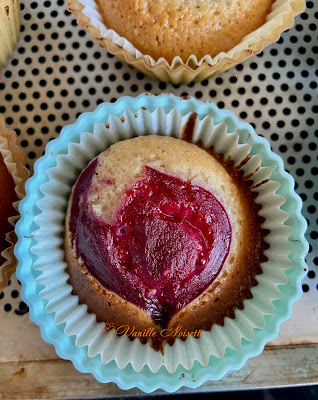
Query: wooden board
[(30, 367), (58, 379)]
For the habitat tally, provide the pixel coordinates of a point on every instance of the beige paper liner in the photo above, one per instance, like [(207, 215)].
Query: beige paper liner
[(279, 20), (9, 28), (50, 258), (13, 157)]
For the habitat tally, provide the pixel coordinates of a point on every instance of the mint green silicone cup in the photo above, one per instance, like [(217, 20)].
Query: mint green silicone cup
[(146, 380)]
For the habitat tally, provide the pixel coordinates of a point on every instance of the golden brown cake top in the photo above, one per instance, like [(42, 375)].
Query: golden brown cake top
[(169, 28)]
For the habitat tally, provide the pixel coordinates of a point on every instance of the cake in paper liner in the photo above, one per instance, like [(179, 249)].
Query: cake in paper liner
[(278, 20), (13, 157), (9, 28), (50, 262)]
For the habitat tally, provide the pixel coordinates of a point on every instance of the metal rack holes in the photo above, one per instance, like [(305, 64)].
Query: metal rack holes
[(57, 72)]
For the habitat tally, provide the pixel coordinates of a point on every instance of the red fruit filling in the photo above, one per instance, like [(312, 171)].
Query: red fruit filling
[(169, 241)]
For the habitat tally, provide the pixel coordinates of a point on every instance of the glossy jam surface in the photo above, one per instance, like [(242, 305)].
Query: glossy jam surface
[(169, 241)]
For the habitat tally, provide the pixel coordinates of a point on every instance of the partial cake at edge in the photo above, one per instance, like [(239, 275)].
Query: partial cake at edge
[(7, 198)]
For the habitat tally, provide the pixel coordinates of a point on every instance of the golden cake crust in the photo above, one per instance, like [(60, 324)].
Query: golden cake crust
[(124, 164), (169, 28)]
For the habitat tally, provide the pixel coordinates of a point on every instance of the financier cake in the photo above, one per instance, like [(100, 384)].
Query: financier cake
[(169, 28), (161, 233)]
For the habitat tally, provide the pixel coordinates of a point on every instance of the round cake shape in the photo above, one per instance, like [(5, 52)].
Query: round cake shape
[(170, 28), (74, 332), (161, 234)]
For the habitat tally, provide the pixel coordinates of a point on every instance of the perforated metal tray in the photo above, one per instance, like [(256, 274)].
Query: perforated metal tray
[(57, 72)]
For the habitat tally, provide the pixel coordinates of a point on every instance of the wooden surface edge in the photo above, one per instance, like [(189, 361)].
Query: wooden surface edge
[(58, 379)]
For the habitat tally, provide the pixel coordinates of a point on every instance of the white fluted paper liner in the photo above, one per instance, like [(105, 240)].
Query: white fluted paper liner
[(280, 19), (50, 262)]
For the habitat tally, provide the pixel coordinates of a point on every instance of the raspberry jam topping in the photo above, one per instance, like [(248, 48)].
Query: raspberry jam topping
[(169, 241)]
